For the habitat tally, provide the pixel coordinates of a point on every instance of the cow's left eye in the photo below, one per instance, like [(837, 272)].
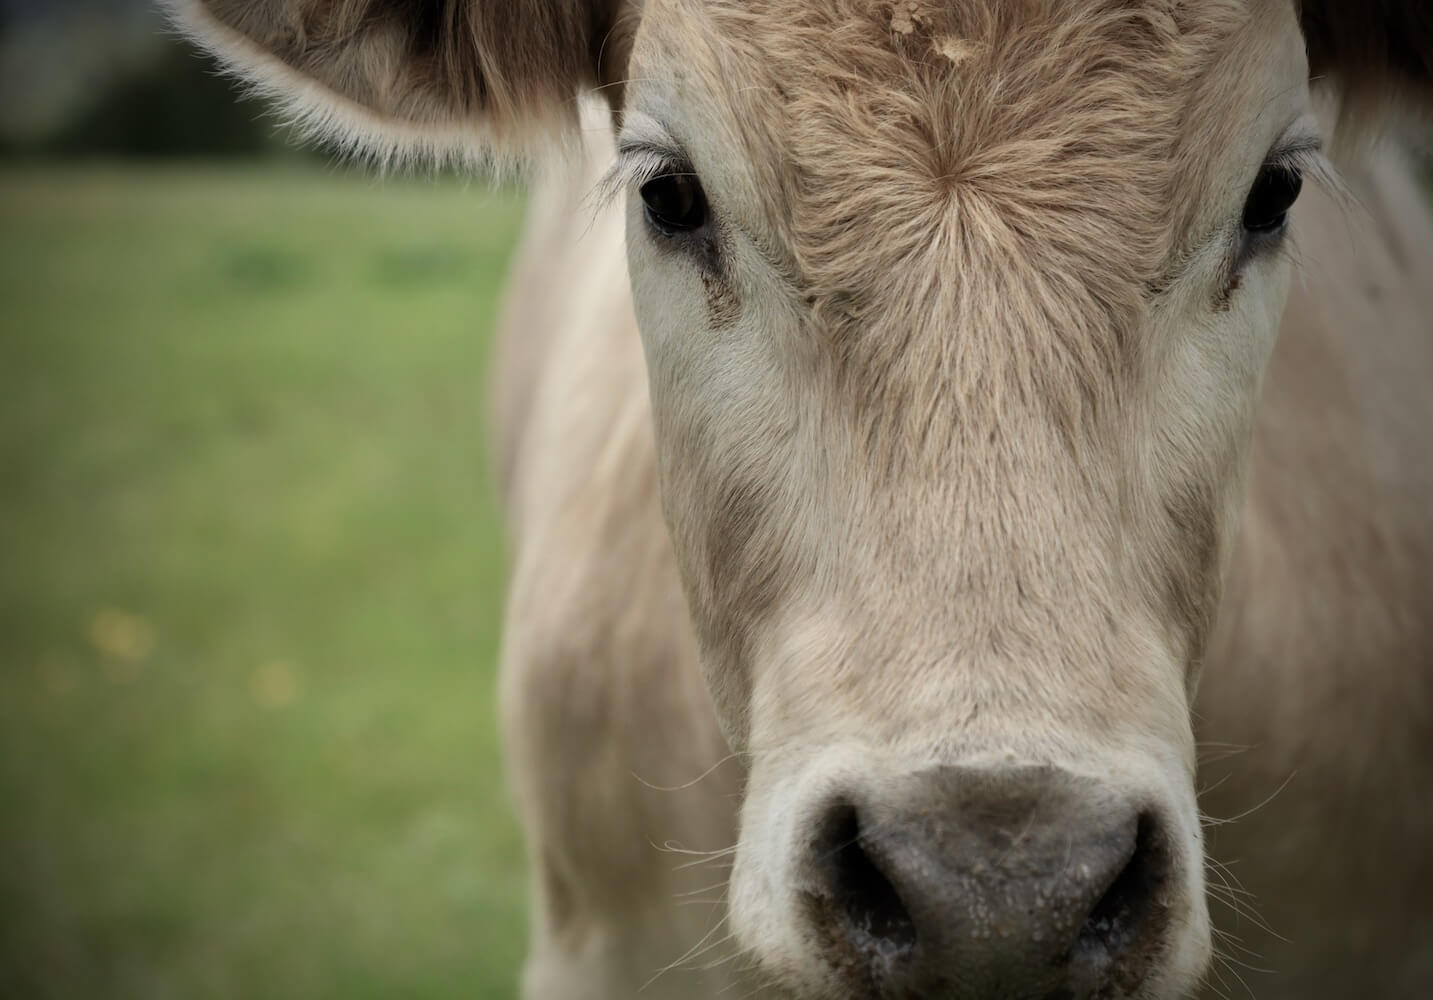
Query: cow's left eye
[(1266, 211), (675, 203)]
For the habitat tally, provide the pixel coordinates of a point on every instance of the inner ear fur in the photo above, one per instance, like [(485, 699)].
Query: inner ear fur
[(436, 79), (1376, 52)]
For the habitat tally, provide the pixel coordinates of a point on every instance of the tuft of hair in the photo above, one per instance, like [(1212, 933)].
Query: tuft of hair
[(1376, 54), (470, 83), (995, 133)]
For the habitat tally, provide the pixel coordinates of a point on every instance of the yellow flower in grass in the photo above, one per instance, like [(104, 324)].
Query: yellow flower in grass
[(126, 640), (274, 685)]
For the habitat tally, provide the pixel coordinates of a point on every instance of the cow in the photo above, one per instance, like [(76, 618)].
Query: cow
[(966, 467)]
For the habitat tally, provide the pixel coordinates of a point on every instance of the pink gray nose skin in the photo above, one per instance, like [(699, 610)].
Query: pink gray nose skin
[(989, 884)]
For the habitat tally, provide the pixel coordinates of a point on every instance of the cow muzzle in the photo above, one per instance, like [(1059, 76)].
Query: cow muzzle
[(962, 882)]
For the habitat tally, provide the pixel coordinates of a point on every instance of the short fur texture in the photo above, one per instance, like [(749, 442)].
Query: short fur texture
[(972, 124), (953, 474), (425, 80)]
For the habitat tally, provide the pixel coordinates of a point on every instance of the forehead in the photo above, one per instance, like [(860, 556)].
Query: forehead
[(1046, 119)]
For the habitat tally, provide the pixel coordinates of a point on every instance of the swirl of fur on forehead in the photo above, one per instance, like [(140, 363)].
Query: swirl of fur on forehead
[(1010, 138), (1034, 172)]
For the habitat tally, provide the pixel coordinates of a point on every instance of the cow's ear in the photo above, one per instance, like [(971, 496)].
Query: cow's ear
[(435, 79), (1376, 52)]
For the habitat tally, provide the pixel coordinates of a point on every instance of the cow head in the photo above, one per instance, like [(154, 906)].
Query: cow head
[(955, 313)]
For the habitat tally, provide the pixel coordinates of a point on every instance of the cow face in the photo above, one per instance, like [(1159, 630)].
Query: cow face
[(954, 316)]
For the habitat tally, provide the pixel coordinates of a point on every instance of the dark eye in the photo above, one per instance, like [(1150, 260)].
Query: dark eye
[(1273, 194), (675, 203)]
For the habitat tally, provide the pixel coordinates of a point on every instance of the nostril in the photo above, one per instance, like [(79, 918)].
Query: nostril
[(861, 907), (1122, 917), (963, 882)]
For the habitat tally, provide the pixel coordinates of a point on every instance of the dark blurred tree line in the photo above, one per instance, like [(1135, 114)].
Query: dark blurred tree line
[(109, 78), (176, 105)]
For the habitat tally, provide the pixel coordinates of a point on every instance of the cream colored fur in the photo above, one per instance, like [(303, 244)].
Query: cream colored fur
[(1313, 713), (977, 446)]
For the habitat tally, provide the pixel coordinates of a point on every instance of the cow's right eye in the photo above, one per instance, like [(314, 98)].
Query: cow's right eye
[(675, 203)]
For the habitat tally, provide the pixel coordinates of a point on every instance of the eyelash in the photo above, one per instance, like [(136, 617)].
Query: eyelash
[(637, 164)]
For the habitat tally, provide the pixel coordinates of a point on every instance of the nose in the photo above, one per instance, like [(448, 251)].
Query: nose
[(975, 883)]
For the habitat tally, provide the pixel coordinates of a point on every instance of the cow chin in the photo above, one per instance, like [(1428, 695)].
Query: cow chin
[(859, 875)]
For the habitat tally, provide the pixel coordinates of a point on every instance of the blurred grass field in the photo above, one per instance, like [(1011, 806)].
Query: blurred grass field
[(250, 581)]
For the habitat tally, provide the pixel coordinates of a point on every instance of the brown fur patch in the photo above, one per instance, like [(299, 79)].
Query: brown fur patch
[(723, 307), (504, 65), (1374, 49)]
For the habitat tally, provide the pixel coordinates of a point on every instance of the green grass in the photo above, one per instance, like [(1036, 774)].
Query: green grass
[(250, 580)]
